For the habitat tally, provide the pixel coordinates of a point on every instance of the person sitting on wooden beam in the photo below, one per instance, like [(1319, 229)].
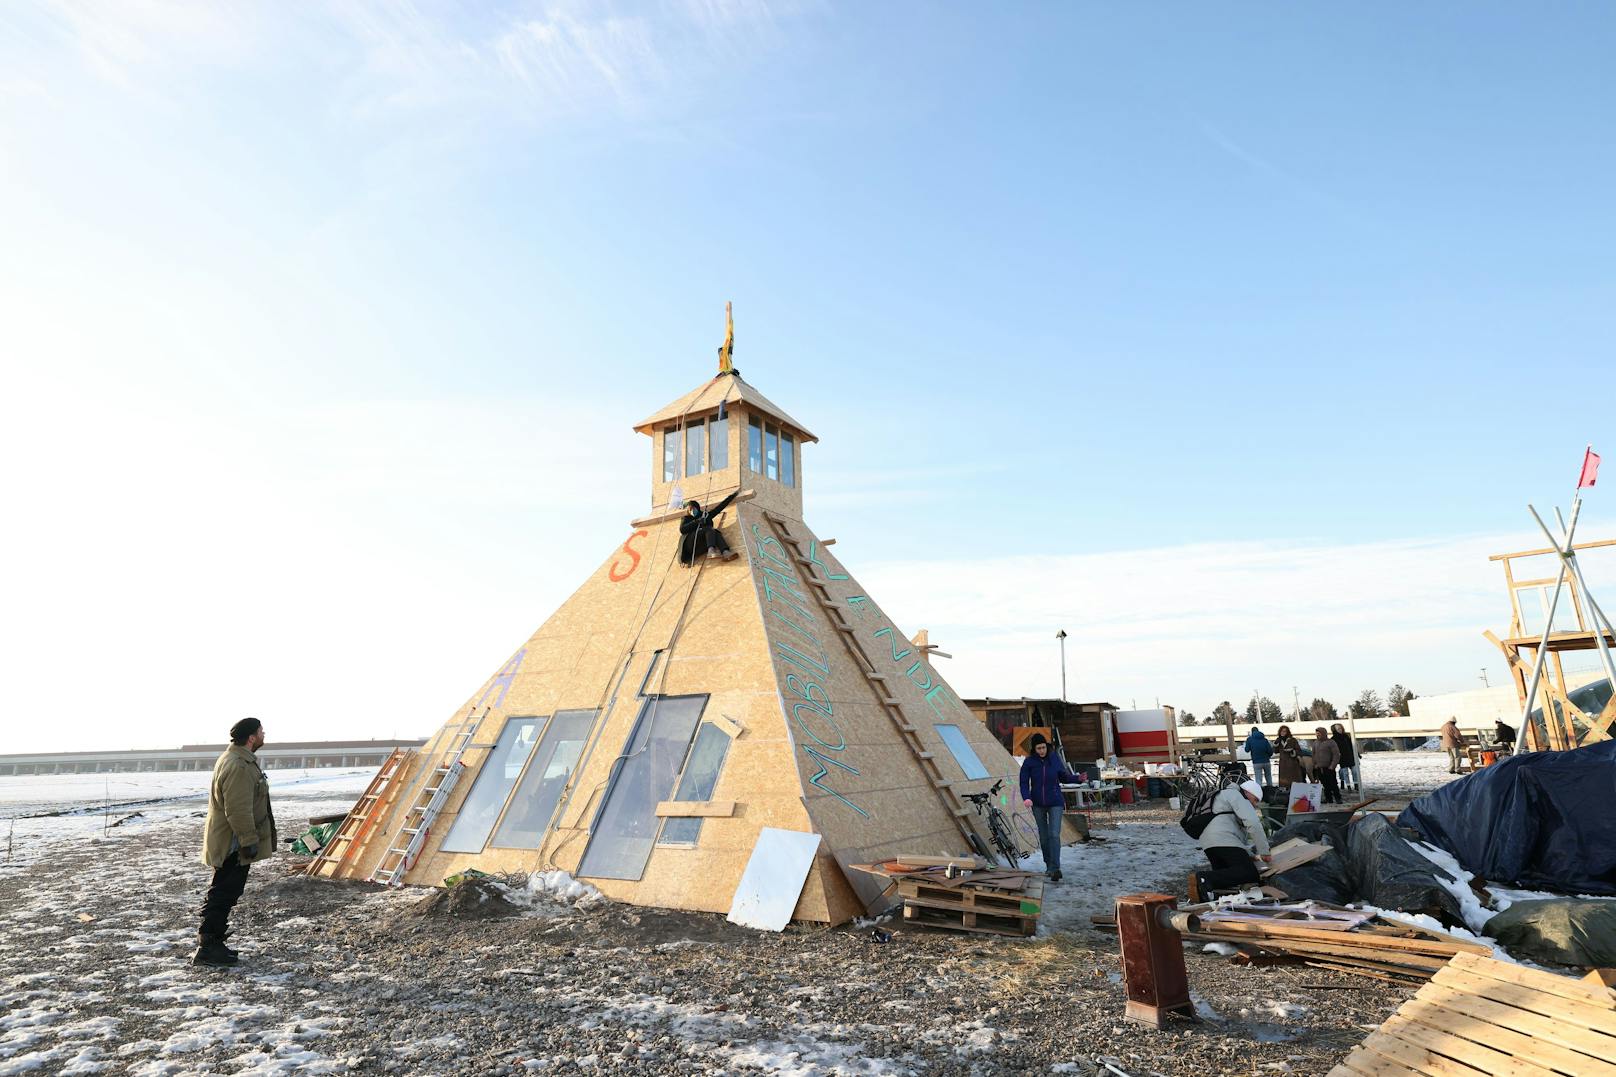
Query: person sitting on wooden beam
[(699, 536), (1230, 840)]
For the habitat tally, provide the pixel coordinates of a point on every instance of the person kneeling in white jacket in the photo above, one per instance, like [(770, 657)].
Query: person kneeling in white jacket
[(1233, 837)]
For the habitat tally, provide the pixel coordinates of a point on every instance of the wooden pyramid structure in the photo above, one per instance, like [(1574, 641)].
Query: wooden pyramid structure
[(666, 714)]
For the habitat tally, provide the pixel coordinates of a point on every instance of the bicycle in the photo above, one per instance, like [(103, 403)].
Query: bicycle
[(998, 826)]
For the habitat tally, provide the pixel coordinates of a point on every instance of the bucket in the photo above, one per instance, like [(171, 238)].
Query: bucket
[(1489, 758), (1125, 793), (1172, 802)]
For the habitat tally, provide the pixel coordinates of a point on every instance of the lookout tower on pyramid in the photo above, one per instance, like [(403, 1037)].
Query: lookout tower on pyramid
[(672, 718)]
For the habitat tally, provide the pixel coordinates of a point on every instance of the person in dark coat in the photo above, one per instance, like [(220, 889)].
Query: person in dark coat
[(698, 535), (1290, 756), (1350, 774), (1041, 775), (1326, 758), (1261, 750)]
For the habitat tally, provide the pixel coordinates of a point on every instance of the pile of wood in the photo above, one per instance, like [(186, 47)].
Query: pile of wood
[(1328, 936), (1478, 1016), (964, 893)]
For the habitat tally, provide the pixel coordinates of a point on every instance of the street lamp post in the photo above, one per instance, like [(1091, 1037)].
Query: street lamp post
[(1061, 635)]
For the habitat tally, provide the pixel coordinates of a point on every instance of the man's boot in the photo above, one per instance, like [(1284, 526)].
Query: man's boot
[(213, 951)]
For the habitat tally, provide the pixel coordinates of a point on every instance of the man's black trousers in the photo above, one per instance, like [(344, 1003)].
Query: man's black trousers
[(1332, 788), (1231, 869), (229, 880)]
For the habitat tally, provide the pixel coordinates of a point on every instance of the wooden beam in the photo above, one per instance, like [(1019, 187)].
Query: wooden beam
[(1550, 549), (695, 809)]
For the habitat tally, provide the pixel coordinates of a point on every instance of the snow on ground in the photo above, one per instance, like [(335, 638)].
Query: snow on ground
[(1404, 774), (142, 801)]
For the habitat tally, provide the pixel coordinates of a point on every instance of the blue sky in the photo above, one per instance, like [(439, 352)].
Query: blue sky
[(322, 328)]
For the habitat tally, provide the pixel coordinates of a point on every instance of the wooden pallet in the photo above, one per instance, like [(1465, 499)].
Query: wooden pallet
[(984, 923), (1023, 902), (1478, 1015)]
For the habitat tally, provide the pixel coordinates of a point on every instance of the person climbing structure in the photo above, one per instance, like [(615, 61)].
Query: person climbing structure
[(698, 535)]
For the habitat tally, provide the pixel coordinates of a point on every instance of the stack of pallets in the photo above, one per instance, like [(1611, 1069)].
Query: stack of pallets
[(1482, 1016), (964, 894)]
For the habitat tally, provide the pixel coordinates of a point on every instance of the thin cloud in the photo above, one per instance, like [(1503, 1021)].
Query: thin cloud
[(1192, 625)]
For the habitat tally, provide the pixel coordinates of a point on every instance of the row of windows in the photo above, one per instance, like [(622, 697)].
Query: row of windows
[(770, 451), (706, 448), (671, 755)]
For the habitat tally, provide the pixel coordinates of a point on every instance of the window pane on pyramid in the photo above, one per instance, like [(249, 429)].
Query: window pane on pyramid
[(695, 448), (670, 454), (534, 802), (697, 783), (771, 451), (962, 751), (719, 437), (626, 828), (493, 785), (754, 445), (788, 459)]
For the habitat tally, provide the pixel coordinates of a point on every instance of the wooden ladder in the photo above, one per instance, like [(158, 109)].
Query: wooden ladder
[(429, 802), (907, 731), (356, 825)]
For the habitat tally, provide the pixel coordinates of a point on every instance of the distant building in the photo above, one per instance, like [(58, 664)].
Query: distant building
[(1085, 730), (299, 755)]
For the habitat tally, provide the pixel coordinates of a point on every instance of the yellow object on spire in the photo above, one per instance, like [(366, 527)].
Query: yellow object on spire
[(726, 354)]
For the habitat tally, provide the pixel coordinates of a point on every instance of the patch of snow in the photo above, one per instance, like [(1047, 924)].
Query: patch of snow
[(1456, 881), (1222, 949), (559, 886)]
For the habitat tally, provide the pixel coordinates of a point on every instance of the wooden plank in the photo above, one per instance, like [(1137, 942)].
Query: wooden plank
[(1368, 1063), (979, 923), (1558, 1038), (695, 809), (1564, 986), (1558, 1007), (1282, 932), (1294, 856), (1456, 1050), (1416, 1057), (1455, 1016), (1361, 1063), (1408, 977)]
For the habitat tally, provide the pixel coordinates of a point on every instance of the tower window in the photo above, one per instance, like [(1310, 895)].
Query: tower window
[(754, 445), (695, 448), (670, 454), (771, 451), (788, 458), (719, 436)]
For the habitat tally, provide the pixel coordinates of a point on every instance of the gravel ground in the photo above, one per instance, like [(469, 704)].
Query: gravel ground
[(95, 940)]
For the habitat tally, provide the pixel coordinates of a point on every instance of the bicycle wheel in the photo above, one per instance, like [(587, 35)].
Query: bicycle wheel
[(1002, 840)]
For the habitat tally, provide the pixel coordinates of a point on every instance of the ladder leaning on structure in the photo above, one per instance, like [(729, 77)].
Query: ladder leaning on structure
[(357, 824), (890, 704), (417, 820)]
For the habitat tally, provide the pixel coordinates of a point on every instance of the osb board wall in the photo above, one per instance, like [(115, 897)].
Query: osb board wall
[(586, 656), (865, 790)]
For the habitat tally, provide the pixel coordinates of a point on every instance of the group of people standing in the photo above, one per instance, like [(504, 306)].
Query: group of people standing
[(1331, 759)]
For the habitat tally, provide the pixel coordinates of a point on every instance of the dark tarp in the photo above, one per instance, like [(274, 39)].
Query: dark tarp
[(1564, 930), (1369, 862), (1542, 821)]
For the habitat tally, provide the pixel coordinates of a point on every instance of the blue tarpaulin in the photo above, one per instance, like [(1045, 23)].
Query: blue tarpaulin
[(1543, 820)]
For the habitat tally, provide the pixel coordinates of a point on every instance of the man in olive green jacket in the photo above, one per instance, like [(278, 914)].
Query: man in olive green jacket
[(240, 830)]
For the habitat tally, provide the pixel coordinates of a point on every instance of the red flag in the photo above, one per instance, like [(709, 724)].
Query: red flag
[(1590, 469)]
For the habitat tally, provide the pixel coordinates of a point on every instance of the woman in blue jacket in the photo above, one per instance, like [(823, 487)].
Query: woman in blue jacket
[(1041, 777)]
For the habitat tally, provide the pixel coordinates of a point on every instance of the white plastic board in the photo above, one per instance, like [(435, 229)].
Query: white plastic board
[(773, 879)]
